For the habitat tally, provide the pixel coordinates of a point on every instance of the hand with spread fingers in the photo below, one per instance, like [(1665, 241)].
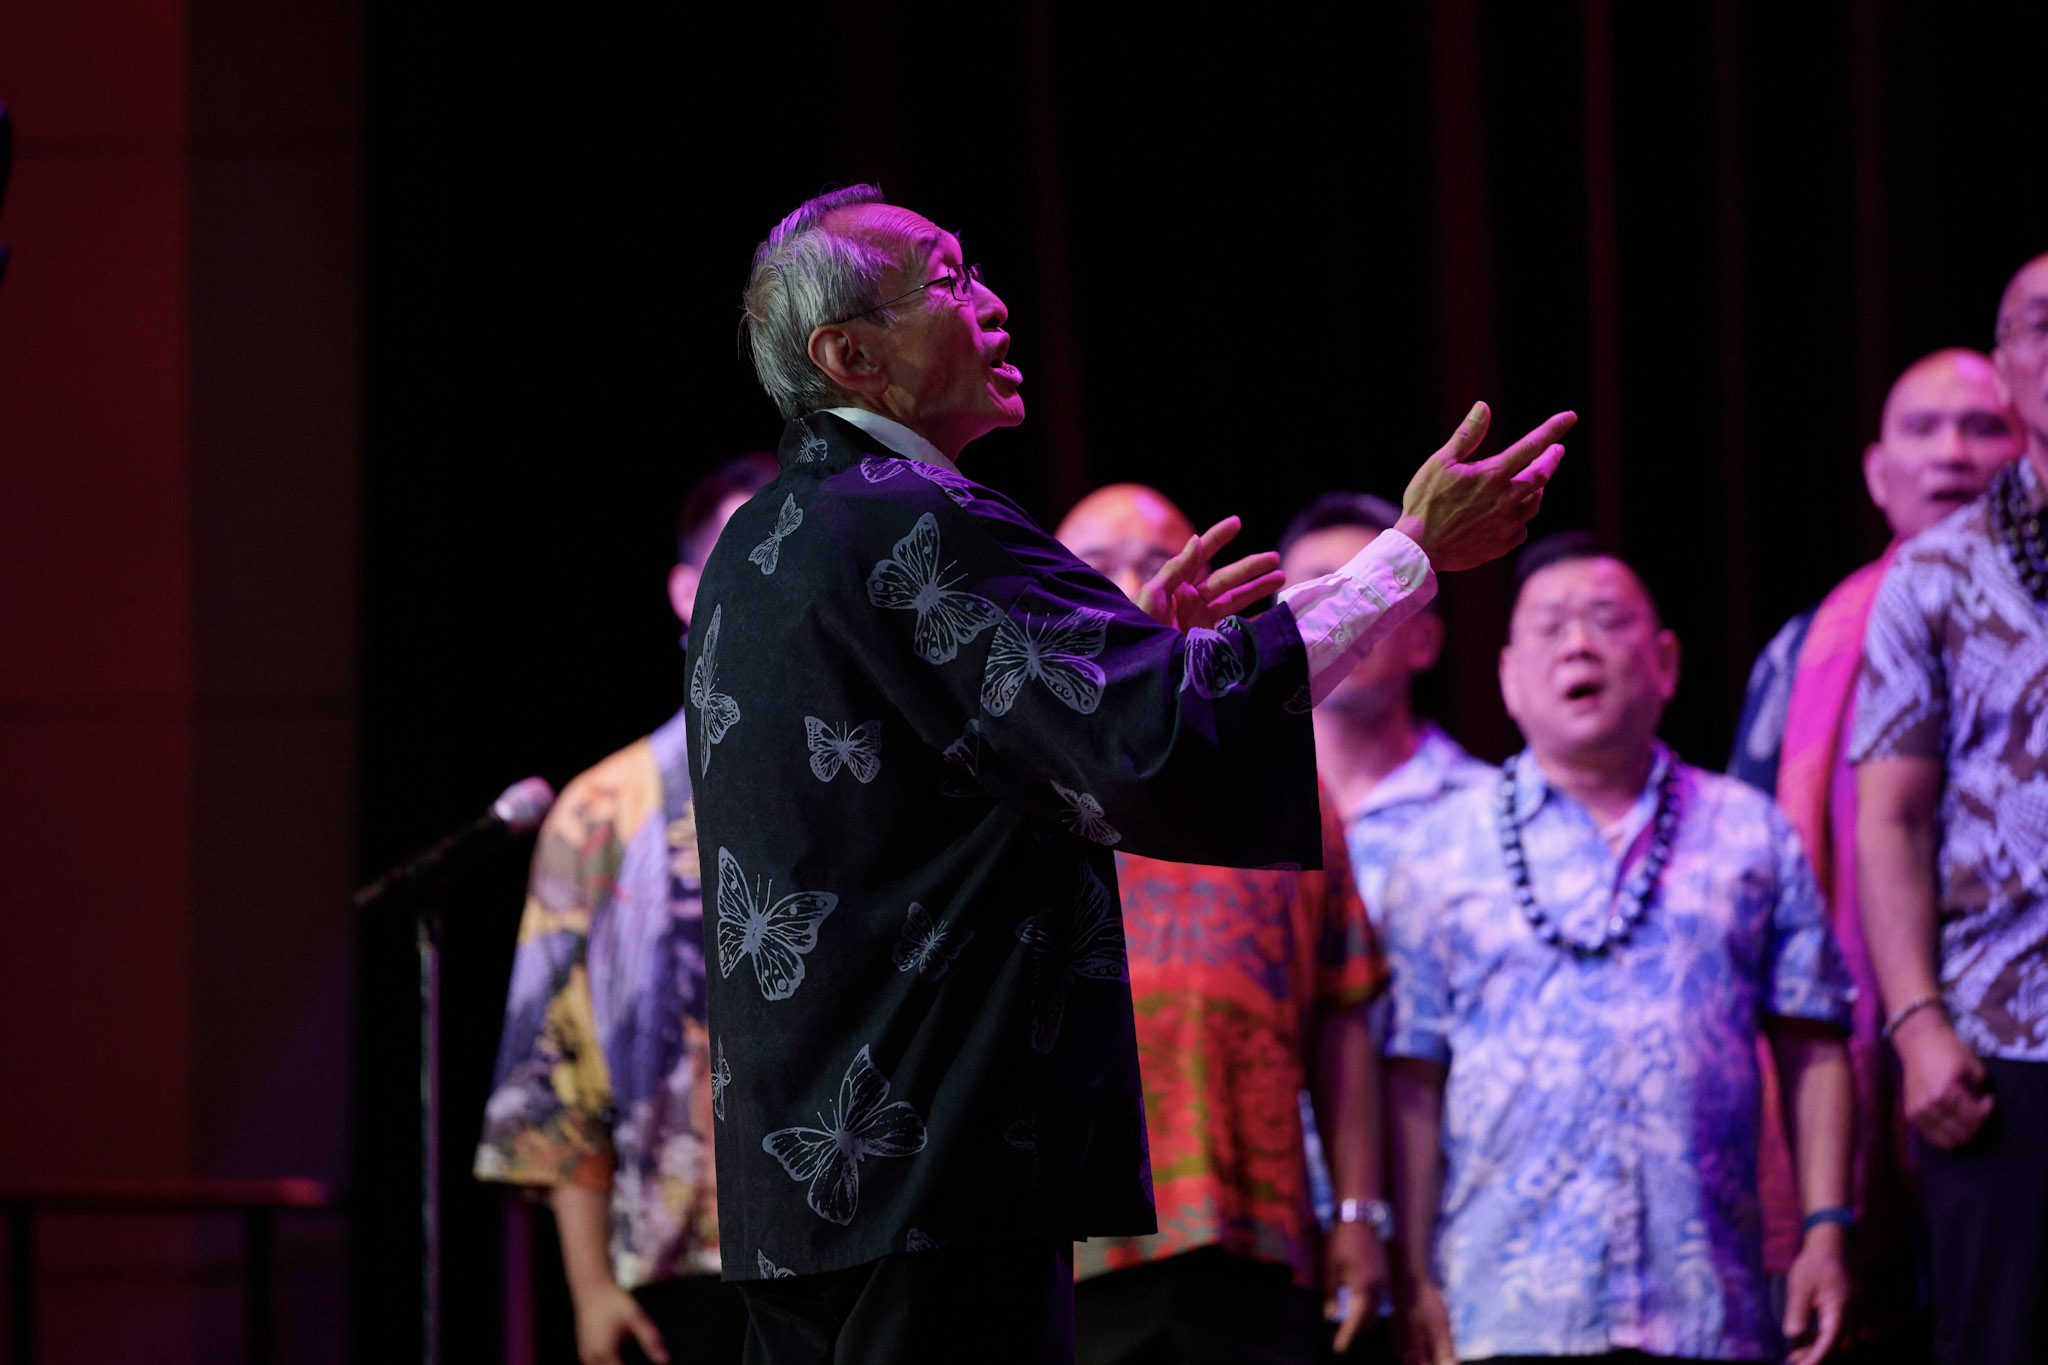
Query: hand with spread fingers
[(1463, 512), (1186, 594)]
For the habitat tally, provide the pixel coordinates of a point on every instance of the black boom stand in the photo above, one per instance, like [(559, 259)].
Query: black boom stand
[(518, 811)]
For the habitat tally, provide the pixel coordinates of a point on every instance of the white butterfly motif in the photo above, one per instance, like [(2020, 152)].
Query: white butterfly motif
[(721, 1077), (1061, 655), (716, 712), (1084, 941), (862, 1125), (1214, 665), (877, 470), (925, 948), (769, 1270), (856, 748), (813, 446), (917, 1239), (962, 763), (1084, 816), (776, 936), (911, 581), (769, 552)]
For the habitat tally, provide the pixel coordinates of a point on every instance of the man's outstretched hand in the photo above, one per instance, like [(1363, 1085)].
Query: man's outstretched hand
[(1185, 594), (1463, 512)]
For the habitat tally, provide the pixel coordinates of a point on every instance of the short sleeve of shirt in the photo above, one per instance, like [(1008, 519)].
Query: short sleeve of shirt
[(1419, 1021), (1808, 979), (548, 1119), (1902, 692), (1350, 967)]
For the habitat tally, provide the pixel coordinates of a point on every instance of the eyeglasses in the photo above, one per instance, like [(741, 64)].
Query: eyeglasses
[(960, 280), (2026, 334)]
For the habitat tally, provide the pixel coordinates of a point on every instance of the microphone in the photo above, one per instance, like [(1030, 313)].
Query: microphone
[(518, 810)]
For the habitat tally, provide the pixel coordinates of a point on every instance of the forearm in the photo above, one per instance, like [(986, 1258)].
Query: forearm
[(1819, 1102), (1895, 876), (1346, 1093), (583, 1220), (1415, 1096)]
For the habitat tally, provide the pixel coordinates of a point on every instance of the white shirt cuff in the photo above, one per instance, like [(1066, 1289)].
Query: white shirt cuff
[(1343, 614)]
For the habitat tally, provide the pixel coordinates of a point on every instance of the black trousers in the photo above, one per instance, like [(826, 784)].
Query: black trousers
[(1005, 1303), (1202, 1307), (1987, 1223), (703, 1321)]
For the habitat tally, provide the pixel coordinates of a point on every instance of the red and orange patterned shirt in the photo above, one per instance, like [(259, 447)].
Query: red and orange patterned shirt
[(1231, 972)]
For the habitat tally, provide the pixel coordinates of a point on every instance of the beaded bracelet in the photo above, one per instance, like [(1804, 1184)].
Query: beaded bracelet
[(1907, 1011), (1840, 1215)]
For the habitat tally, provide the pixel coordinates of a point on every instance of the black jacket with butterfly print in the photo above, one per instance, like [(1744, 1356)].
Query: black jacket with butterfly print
[(919, 725)]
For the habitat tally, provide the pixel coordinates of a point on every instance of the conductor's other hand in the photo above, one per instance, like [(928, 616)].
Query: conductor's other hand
[(1463, 512)]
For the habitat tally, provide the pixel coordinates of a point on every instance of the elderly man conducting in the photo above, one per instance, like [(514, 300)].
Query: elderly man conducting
[(1951, 748), (1583, 957), (919, 726)]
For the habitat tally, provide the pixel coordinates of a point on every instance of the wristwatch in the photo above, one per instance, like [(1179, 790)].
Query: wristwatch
[(1374, 1213)]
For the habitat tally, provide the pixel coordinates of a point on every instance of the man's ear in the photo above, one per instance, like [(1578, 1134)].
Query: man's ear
[(1667, 663), (848, 361), (1425, 641), (682, 589), (1873, 454)]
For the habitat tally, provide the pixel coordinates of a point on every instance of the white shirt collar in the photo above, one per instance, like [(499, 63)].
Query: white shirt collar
[(896, 436)]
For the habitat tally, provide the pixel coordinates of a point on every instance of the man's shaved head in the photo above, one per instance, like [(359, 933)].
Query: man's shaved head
[(2030, 281), (2022, 355), (1944, 433), (1125, 532)]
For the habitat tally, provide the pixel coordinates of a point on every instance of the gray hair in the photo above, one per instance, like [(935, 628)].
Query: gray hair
[(804, 276)]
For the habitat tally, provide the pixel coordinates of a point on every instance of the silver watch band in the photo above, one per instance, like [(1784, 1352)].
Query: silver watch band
[(1374, 1213)]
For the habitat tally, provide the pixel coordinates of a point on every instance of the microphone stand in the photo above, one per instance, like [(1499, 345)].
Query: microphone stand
[(427, 943), (507, 816)]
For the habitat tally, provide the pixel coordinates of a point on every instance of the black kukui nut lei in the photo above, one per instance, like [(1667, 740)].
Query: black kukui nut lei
[(2017, 528), (1635, 897)]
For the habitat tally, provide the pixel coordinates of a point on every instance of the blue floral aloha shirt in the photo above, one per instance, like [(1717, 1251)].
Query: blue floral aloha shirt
[(1600, 1113), (1373, 836)]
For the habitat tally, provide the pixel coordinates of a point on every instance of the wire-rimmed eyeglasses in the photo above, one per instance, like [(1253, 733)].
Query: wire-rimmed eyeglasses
[(960, 280)]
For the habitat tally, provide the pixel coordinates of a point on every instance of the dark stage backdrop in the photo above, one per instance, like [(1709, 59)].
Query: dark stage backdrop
[(1246, 260)]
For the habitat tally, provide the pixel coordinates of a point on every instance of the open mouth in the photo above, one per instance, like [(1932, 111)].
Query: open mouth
[(1582, 691)]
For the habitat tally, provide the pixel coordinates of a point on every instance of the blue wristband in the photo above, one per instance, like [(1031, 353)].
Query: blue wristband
[(1839, 1215)]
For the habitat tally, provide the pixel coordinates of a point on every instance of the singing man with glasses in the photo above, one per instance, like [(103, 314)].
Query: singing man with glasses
[(919, 726)]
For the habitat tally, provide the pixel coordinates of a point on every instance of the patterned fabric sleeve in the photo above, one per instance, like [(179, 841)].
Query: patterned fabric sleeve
[(1351, 968), (1902, 695), (549, 1117), (1086, 714), (1808, 979), (1419, 1021), (1760, 730)]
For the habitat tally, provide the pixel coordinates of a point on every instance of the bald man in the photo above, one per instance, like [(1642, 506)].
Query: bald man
[(1952, 861), (1245, 985), (1945, 430)]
